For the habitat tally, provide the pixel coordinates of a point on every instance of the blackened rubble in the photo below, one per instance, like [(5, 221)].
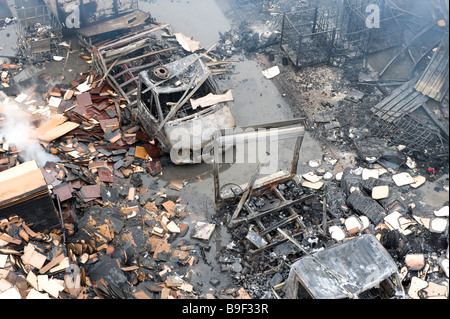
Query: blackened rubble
[(358, 84), (39, 32), (122, 236), (263, 258)]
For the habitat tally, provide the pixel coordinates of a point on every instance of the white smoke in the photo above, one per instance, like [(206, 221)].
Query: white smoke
[(17, 130)]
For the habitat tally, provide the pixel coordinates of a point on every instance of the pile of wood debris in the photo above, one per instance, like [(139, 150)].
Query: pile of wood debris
[(112, 243), (41, 265), (32, 264), (6, 71)]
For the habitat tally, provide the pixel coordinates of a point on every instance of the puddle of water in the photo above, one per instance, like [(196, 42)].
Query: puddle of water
[(256, 99), (400, 69), (200, 19), (403, 65), (433, 198), (8, 43), (4, 10)]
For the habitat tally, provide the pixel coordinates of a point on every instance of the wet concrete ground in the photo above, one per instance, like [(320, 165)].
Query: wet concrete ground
[(8, 41), (8, 36), (201, 19)]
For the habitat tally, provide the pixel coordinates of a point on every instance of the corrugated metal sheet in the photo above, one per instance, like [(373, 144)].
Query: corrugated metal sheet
[(403, 100), (434, 80), (345, 269)]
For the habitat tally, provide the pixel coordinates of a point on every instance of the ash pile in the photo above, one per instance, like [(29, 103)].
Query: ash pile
[(287, 221)]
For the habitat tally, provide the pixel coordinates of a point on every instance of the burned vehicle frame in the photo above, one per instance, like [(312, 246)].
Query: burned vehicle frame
[(359, 268), (165, 106)]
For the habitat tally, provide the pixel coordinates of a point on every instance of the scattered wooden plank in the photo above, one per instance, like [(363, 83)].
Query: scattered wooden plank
[(3, 260), (33, 258), (10, 239), (51, 264)]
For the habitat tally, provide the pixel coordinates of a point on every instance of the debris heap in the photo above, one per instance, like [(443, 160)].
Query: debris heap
[(287, 220)]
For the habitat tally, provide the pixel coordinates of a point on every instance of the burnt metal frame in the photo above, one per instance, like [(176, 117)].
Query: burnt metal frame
[(127, 89), (399, 126), (28, 14), (219, 142), (333, 29), (324, 38), (406, 130), (284, 204), (355, 20)]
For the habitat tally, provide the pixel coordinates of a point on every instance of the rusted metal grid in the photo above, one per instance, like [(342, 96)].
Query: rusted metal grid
[(38, 31), (434, 80), (410, 131), (400, 118), (423, 139)]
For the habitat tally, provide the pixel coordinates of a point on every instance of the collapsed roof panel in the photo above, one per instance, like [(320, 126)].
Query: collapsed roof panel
[(434, 80), (401, 101), (130, 20)]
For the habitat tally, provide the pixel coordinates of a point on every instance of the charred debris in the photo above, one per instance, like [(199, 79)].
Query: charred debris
[(85, 226)]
